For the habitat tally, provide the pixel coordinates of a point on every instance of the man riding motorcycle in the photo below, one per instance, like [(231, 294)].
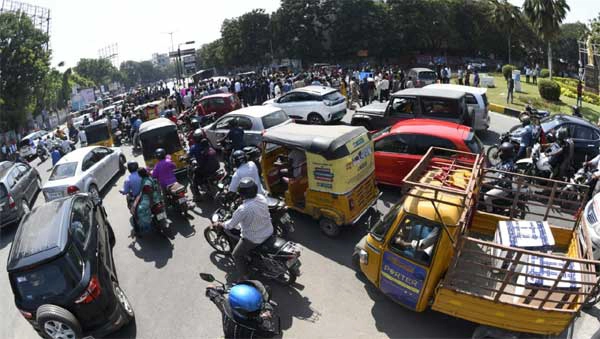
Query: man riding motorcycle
[(236, 135), (194, 126), (244, 169), (506, 164), (206, 159), (164, 170), (254, 220), (526, 138), (560, 153), (595, 183), (133, 184), (244, 311)]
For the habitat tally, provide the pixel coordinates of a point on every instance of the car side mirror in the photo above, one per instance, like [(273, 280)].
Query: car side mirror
[(207, 277)]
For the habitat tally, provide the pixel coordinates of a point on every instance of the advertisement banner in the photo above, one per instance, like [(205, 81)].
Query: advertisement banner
[(342, 175), (88, 95), (401, 280)]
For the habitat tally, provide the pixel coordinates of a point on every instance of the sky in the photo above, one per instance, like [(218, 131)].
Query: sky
[(79, 28)]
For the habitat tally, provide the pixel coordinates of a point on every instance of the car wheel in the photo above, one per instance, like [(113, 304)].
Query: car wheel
[(122, 164), (329, 227), (94, 193), (24, 208), (58, 323), (315, 119), (123, 303)]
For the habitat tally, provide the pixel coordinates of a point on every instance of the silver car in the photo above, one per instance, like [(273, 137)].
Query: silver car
[(19, 183), (86, 169), (254, 120)]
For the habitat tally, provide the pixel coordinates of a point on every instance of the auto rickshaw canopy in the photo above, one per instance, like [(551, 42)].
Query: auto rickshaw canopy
[(156, 124), (328, 141)]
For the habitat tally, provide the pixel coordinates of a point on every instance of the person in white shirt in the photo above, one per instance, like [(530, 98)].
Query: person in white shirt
[(245, 169), (409, 83), (187, 100), (65, 144), (277, 90), (254, 221), (238, 87), (384, 87)]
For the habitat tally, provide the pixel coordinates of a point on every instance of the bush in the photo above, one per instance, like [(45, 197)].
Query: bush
[(549, 90), (507, 71), (544, 73)]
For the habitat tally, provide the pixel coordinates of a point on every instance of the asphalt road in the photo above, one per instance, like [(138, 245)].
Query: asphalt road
[(161, 280)]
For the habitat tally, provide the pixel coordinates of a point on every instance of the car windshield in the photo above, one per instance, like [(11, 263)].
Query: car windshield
[(54, 279), (23, 143), (62, 171), (381, 227), (427, 75), (274, 119), (549, 123), (474, 143)]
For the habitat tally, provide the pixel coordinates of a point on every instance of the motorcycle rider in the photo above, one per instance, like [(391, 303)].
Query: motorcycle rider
[(559, 153), (194, 126), (504, 184), (236, 135), (526, 137), (133, 184), (595, 183), (254, 220), (164, 170), (244, 169), (206, 160), (244, 310)]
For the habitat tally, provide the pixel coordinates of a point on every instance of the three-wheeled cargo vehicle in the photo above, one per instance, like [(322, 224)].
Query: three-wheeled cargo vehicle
[(326, 172), (161, 133), (440, 247)]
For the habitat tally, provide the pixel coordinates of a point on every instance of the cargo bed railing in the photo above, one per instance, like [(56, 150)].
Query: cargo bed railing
[(524, 278)]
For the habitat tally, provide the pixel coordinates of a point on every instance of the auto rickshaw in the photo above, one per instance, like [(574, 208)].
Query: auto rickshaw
[(440, 247), (98, 133), (150, 110), (326, 172), (161, 133)]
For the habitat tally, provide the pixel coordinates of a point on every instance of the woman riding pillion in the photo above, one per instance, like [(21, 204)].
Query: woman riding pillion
[(148, 197)]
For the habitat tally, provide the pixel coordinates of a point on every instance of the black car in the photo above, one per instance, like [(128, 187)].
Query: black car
[(585, 135), (62, 272)]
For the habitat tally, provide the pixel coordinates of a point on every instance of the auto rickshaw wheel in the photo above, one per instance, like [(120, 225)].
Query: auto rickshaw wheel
[(329, 227)]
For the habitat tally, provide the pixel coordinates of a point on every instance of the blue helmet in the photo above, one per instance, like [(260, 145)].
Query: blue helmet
[(245, 299)]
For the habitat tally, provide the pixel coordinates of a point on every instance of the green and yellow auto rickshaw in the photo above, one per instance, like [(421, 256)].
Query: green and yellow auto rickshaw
[(98, 133), (161, 133)]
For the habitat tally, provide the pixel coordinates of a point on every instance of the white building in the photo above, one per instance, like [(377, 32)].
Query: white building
[(161, 60)]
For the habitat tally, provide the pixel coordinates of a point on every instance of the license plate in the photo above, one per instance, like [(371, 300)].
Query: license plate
[(285, 219), (161, 216), (182, 200), (54, 195)]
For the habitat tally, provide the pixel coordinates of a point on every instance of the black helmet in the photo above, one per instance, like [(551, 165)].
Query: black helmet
[(247, 188), (195, 123), (143, 172), (132, 166), (198, 135), (562, 134), (204, 143), (238, 157), (160, 153), (252, 152), (525, 119), (506, 150), (550, 137)]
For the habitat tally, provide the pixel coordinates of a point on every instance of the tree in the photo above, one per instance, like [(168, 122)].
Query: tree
[(567, 43), (507, 17), (100, 71), (211, 55), (545, 17), (246, 39), (24, 62)]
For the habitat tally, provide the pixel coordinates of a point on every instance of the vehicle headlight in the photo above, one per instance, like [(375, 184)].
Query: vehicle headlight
[(363, 257)]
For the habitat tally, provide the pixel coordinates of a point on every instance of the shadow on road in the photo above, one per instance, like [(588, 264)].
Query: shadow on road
[(152, 248), (223, 262), (127, 331), (7, 234), (181, 224), (291, 304)]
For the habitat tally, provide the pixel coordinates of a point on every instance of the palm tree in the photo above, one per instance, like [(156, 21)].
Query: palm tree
[(507, 17), (545, 17)]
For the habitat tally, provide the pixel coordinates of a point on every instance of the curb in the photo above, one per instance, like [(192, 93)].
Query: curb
[(504, 110)]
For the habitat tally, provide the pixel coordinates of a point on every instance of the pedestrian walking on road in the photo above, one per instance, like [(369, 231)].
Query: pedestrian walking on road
[(511, 88), (354, 92), (460, 76), (579, 94), (476, 79), (364, 92)]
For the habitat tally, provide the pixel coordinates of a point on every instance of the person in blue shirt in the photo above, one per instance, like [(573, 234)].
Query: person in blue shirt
[(55, 155), (133, 184), (526, 138), (236, 135), (135, 127)]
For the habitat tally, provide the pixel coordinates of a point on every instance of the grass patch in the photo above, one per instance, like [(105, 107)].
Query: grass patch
[(530, 94)]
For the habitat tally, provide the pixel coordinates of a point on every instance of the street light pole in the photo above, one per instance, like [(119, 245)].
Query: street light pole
[(180, 68)]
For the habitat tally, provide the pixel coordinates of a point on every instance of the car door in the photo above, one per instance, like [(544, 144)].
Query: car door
[(288, 104), (29, 181), (91, 168), (105, 164), (400, 108), (252, 131), (218, 105), (391, 152), (586, 142), (218, 131)]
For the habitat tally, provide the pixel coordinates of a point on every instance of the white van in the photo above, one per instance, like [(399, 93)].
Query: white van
[(476, 99)]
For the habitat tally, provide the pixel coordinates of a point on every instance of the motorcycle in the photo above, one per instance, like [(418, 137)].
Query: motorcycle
[(42, 153), (227, 149), (159, 217), (209, 187), (269, 322), (533, 113), (503, 205), (276, 258), (175, 196), (538, 164), (573, 192), (280, 218), (493, 152)]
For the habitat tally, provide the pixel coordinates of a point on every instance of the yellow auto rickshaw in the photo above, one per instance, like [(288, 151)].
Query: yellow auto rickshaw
[(326, 172), (524, 266), (150, 110), (98, 133), (161, 133)]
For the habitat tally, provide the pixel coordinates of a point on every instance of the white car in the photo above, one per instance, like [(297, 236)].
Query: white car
[(591, 221), (86, 169), (476, 99), (26, 150), (314, 104), (254, 120)]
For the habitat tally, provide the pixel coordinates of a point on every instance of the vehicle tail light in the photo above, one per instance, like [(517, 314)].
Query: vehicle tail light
[(157, 208), (91, 292), (11, 201), (26, 315), (181, 194), (72, 189)]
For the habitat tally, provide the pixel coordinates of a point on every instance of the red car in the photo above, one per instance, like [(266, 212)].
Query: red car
[(221, 104), (399, 148)]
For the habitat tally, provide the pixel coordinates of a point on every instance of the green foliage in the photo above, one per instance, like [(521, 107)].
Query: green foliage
[(133, 73), (568, 88), (211, 55), (507, 71), (100, 71), (544, 73), (24, 62), (546, 16), (549, 90), (80, 80), (566, 46), (595, 30)]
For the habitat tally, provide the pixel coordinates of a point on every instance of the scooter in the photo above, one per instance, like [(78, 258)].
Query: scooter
[(269, 323), (276, 258)]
